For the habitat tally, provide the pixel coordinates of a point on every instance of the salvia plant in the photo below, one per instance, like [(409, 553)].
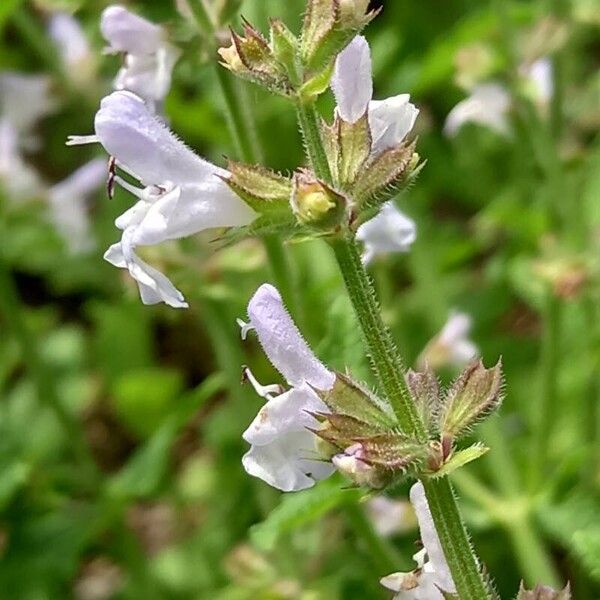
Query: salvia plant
[(337, 431)]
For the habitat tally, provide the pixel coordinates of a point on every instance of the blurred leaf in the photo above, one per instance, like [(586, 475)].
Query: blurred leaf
[(142, 475), (301, 508), (574, 523), (143, 398), (7, 7), (123, 338)]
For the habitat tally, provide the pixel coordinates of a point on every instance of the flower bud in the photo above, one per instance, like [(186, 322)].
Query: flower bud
[(351, 464), (251, 57), (315, 204), (329, 25)]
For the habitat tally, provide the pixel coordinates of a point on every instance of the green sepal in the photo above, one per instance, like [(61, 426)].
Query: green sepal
[(316, 84), (347, 397), (393, 451), (274, 222), (474, 395), (459, 459), (284, 46), (426, 392), (261, 188), (347, 146), (385, 175)]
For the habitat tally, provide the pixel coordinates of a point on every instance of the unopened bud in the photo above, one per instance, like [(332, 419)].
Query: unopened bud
[(316, 204), (542, 592), (351, 464)]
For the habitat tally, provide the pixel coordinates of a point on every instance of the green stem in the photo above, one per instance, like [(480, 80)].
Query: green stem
[(385, 359), (530, 552), (381, 553), (546, 405), (12, 313), (389, 370), (239, 118), (454, 538), (308, 118)]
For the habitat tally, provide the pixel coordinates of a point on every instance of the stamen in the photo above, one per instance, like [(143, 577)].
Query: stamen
[(264, 391), (244, 328), (80, 140)]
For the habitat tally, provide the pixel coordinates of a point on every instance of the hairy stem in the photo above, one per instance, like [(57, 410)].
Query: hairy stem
[(389, 370), (308, 118)]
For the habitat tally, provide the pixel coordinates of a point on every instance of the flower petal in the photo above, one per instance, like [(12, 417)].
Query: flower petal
[(389, 231), (195, 208), (153, 285), (283, 343), (288, 412), (127, 32), (283, 463), (431, 540), (391, 120), (143, 144), (352, 82)]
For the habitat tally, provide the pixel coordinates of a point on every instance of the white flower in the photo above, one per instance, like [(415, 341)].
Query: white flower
[(182, 194), (149, 58), (389, 231), (283, 450), (451, 346), (24, 100), (390, 120), (73, 46), (19, 180), (432, 573), (488, 105), (68, 204), (539, 79), (388, 515)]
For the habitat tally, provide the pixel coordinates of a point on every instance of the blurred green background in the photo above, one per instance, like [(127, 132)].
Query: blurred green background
[(120, 424)]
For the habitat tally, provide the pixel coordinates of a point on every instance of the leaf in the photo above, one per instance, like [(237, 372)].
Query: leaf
[(146, 469), (574, 523), (300, 509), (461, 458)]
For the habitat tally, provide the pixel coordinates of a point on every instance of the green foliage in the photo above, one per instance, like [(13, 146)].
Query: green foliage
[(158, 502)]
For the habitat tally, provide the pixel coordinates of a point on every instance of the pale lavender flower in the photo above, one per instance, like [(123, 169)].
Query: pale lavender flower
[(389, 231), (73, 46), (149, 57), (68, 204), (488, 105), (24, 100), (283, 451), (183, 194), (432, 575)]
